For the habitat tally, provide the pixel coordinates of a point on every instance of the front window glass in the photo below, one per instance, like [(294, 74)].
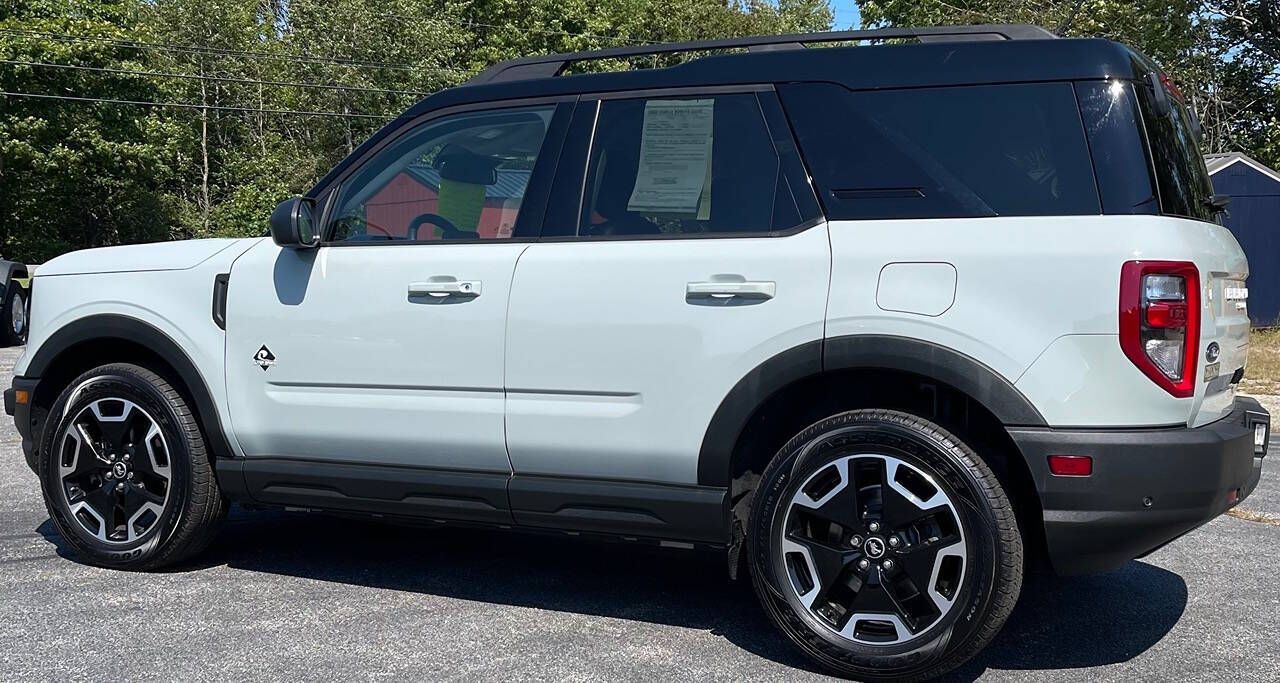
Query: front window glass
[(457, 177)]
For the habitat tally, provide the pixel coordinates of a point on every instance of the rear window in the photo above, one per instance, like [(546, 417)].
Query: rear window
[(1181, 177), (997, 150)]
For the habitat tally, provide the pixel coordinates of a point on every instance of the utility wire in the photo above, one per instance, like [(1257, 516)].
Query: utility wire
[(187, 105), (221, 79), (520, 29), (223, 52)]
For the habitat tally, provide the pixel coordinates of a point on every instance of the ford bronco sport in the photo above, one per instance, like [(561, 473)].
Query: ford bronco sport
[(884, 323)]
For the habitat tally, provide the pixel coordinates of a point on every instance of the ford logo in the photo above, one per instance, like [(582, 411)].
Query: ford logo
[(1212, 352)]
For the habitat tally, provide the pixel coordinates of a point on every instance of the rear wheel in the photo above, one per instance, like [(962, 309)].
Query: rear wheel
[(884, 547), (126, 475)]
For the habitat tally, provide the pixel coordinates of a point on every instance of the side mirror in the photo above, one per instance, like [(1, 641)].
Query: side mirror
[(293, 223)]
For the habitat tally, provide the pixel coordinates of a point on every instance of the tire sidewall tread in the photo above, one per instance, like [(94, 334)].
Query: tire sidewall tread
[(983, 604), (191, 519)]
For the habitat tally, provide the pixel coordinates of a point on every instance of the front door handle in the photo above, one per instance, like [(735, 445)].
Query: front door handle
[(441, 287), (730, 289)]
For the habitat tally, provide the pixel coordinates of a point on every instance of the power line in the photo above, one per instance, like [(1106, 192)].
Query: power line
[(225, 52), (522, 29), (187, 105), (222, 79)]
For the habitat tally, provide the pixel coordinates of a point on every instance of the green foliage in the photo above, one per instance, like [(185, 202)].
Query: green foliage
[(274, 92), (75, 174)]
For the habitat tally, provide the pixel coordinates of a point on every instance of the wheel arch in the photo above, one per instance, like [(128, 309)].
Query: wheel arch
[(806, 383), (804, 363), (98, 339)]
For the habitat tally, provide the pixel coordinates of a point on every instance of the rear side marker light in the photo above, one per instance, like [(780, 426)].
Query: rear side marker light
[(1160, 322), (1070, 465)]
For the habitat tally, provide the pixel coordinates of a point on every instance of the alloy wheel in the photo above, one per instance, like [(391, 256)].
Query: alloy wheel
[(114, 470), (18, 315), (874, 549)]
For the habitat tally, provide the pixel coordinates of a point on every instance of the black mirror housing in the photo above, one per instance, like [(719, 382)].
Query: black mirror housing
[(293, 223)]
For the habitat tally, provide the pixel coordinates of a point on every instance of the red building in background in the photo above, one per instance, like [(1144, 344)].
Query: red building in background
[(416, 191)]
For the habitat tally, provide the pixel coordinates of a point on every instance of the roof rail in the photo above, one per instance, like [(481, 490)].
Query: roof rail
[(545, 66)]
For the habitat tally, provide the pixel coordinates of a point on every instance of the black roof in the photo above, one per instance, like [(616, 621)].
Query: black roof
[(1030, 58)]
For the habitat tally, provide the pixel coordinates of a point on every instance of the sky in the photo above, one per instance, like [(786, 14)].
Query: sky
[(846, 13)]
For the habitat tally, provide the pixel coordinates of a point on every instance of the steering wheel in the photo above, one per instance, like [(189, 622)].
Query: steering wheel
[(448, 230)]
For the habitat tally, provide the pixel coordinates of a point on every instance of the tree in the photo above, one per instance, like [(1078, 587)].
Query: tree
[(79, 173)]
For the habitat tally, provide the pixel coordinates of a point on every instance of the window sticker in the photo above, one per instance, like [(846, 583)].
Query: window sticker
[(675, 158)]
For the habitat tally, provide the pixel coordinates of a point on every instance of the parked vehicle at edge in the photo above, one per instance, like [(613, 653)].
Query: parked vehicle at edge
[(884, 324), (14, 303)]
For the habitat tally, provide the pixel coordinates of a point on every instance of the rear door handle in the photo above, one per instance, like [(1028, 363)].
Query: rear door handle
[(730, 289), (440, 287)]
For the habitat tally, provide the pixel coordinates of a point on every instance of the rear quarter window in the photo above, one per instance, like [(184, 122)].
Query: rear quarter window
[(997, 150), (1181, 177)]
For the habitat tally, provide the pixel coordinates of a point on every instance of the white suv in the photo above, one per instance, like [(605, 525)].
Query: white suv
[(884, 323)]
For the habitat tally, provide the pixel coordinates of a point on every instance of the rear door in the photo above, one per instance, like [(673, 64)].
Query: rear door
[(683, 247)]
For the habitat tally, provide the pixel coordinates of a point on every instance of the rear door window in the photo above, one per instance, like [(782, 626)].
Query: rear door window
[(681, 166), (998, 150)]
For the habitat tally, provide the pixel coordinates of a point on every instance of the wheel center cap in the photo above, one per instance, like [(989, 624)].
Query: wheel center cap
[(120, 469), (874, 547)]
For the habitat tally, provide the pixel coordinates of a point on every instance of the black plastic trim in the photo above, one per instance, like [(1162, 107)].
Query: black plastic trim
[(693, 514), (873, 352), (22, 418), (939, 363), (378, 489), (731, 417), (686, 513), (113, 326), (220, 284), (1148, 486)]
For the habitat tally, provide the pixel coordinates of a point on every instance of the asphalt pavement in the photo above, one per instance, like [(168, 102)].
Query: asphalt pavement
[(285, 596)]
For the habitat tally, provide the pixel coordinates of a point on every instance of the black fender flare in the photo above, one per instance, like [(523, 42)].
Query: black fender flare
[(871, 352), (11, 271), (126, 328)]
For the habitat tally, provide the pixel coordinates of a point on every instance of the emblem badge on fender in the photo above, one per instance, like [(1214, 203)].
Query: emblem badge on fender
[(264, 358)]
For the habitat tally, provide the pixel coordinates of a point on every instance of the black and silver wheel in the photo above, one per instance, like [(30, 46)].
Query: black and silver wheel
[(884, 547), (15, 315), (126, 475)]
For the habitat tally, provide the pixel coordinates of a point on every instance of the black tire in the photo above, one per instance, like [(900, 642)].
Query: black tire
[(15, 315), (193, 505), (984, 591)]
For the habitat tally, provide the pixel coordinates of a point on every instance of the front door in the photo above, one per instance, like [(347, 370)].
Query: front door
[(385, 344)]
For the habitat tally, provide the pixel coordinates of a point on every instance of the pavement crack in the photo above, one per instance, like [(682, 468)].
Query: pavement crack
[(1251, 516)]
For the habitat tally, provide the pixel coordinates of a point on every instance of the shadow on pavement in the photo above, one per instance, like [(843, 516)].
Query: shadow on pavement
[(1059, 623)]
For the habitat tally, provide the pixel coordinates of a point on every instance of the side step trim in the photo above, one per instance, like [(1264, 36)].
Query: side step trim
[(695, 514), (687, 513)]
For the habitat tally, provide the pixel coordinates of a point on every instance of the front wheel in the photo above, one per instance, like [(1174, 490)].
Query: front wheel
[(884, 547), (125, 472), (15, 315)]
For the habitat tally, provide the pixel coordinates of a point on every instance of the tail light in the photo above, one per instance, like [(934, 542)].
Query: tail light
[(1160, 322)]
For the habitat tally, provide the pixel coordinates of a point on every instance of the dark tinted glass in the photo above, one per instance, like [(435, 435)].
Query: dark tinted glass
[(1002, 150), (684, 165), (1110, 112), (1183, 180)]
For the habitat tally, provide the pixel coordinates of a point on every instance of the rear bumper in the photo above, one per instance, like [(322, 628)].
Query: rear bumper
[(22, 418), (1148, 486)]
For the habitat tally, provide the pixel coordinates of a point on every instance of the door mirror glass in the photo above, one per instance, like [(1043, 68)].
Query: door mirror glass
[(293, 223)]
